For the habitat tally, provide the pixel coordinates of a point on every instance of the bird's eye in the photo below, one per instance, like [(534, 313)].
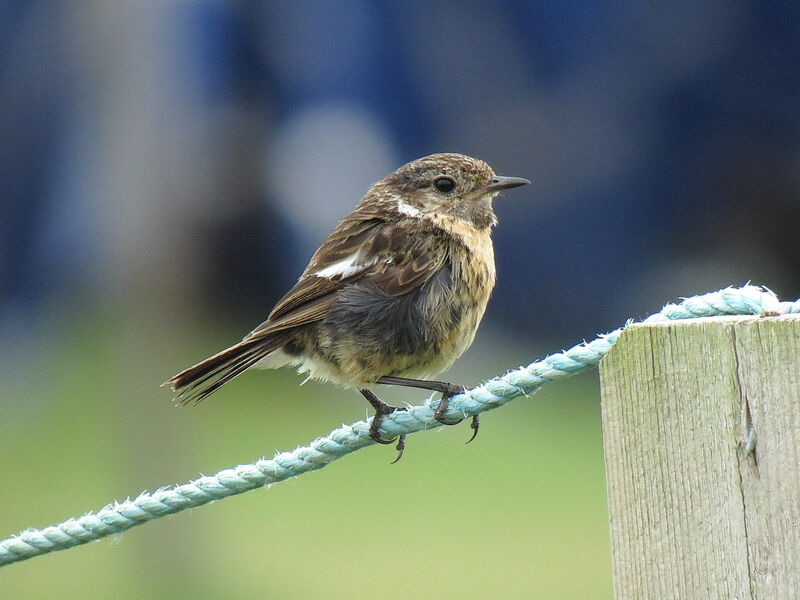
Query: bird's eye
[(444, 184)]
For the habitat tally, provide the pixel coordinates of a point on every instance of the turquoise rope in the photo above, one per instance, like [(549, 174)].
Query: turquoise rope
[(120, 516)]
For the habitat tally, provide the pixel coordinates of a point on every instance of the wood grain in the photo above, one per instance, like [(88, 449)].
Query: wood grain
[(692, 515)]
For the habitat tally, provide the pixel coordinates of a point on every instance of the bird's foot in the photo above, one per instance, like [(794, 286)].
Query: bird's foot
[(381, 409), (448, 390)]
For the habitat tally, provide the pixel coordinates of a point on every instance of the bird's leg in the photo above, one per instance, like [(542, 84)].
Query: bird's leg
[(448, 390), (381, 408)]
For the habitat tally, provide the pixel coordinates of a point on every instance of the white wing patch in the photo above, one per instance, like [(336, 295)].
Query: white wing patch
[(347, 267)]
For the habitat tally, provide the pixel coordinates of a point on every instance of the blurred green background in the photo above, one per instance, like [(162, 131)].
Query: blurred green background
[(519, 513)]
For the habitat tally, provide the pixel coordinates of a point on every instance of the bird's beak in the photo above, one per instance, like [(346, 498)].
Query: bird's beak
[(504, 183)]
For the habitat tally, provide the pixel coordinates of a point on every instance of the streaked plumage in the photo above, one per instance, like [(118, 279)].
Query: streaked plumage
[(397, 289)]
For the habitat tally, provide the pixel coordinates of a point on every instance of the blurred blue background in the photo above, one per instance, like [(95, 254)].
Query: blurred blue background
[(167, 168)]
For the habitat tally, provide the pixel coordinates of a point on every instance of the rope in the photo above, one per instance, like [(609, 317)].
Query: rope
[(120, 516)]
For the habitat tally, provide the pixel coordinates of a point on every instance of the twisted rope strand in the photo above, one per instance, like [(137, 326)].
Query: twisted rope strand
[(524, 381)]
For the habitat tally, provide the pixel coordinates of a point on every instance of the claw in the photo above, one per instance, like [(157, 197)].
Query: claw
[(378, 439), (401, 445), (474, 425), (376, 425)]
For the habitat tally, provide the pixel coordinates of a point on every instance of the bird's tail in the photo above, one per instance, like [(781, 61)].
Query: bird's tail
[(206, 377)]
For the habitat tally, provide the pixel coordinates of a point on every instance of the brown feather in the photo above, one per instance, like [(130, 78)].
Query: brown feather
[(303, 314), (403, 260), (350, 236), (198, 381)]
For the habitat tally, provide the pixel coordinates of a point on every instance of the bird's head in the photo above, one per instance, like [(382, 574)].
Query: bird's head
[(448, 185)]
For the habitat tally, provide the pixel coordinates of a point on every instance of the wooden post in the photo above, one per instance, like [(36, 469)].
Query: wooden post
[(692, 514)]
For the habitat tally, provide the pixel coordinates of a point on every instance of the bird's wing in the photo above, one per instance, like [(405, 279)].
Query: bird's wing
[(396, 256)]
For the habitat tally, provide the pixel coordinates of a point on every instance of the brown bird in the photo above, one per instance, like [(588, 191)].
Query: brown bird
[(394, 295)]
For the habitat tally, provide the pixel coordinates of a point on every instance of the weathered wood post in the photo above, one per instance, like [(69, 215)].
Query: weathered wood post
[(692, 514)]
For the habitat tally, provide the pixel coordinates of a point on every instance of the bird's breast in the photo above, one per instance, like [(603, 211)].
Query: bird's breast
[(473, 271), (472, 258), (368, 333)]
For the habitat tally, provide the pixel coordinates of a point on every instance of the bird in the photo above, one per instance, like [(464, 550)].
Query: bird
[(393, 296)]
